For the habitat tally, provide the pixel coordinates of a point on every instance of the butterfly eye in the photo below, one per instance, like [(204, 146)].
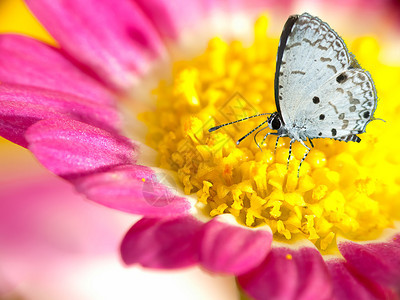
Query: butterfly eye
[(276, 123)]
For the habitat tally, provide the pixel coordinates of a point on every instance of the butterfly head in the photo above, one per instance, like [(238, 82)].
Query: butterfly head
[(275, 121)]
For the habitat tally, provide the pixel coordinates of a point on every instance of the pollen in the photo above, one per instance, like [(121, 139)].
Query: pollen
[(344, 189)]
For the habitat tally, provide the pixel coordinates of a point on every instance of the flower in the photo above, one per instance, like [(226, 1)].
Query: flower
[(283, 237)]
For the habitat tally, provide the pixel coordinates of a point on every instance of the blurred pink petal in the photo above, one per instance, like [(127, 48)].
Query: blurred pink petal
[(70, 148), (48, 232), (289, 274), (54, 245), (164, 15), (114, 39), (31, 215), (17, 117), (28, 62), (174, 18), (22, 106), (232, 249), (162, 243), (134, 189)]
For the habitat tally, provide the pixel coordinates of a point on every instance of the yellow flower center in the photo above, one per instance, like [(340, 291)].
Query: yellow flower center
[(346, 189)]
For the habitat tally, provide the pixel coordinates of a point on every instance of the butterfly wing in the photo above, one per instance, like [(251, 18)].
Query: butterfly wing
[(312, 59), (340, 108)]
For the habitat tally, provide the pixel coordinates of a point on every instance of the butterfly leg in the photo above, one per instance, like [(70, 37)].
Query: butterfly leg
[(290, 152), (304, 157), (311, 143), (265, 137), (276, 144)]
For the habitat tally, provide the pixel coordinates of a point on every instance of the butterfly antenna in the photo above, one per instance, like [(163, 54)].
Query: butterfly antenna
[(230, 123), (379, 119), (250, 132)]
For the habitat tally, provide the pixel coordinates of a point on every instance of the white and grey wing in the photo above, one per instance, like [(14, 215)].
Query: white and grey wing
[(341, 107), (310, 52)]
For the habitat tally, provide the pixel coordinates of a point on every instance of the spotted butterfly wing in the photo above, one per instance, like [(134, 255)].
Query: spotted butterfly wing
[(319, 87)]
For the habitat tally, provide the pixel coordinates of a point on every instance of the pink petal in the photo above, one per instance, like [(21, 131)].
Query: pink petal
[(68, 148), (171, 17), (232, 249), (256, 5), (44, 214), (289, 274), (162, 243), (134, 189), (112, 38), (15, 118), (29, 62), (348, 285), (22, 106), (379, 262), (55, 245)]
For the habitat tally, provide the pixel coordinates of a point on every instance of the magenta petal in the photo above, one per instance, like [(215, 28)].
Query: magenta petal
[(68, 147), (379, 262), (162, 243), (113, 38), (134, 189), (289, 274), (22, 106), (232, 249), (26, 61), (347, 285)]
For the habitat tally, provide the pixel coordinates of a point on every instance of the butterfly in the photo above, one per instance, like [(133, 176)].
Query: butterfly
[(320, 89)]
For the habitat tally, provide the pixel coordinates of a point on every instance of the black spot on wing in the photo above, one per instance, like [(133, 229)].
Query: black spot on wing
[(341, 78)]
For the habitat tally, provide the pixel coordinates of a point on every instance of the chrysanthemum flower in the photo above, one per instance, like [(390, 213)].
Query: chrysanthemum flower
[(331, 233)]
